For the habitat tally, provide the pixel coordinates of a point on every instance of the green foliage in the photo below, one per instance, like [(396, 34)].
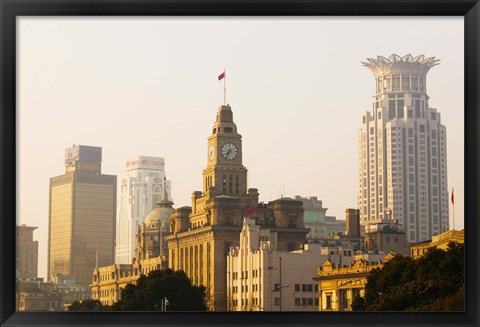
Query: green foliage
[(87, 305), (433, 282), (148, 293)]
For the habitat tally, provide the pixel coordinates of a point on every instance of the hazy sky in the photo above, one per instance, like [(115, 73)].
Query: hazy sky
[(148, 86)]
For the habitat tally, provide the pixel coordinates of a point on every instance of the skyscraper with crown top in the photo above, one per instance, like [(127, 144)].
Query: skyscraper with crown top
[(402, 152)]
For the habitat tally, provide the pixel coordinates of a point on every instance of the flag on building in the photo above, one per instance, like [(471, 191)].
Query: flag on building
[(251, 210), (453, 197), (221, 76)]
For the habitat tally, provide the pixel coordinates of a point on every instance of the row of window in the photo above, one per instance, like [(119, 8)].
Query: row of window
[(255, 288), (307, 287), (306, 301)]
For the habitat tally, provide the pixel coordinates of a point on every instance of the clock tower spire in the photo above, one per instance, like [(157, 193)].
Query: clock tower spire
[(225, 171)]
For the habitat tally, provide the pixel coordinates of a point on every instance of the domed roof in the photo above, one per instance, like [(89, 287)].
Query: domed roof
[(161, 213)]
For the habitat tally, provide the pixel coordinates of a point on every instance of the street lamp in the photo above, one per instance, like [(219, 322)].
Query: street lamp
[(278, 287)]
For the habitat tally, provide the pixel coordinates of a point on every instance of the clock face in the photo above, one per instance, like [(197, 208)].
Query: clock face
[(211, 152), (229, 151)]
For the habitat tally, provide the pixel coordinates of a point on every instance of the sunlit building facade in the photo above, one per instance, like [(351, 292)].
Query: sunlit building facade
[(81, 216)]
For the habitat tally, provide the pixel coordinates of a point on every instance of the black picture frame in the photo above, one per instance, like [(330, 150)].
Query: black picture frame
[(10, 9)]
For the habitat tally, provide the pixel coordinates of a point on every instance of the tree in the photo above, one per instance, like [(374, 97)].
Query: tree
[(433, 282), (151, 290), (88, 305)]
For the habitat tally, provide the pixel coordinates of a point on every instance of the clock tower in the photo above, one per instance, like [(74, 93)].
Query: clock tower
[(201, 235), (225, 172)]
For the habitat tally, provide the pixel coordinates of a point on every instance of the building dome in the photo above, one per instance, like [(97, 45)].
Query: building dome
[(161, 213)]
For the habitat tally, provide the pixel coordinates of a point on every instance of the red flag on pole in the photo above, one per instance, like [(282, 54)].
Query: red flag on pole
[(250, 210), (221, 76), (453, 197)]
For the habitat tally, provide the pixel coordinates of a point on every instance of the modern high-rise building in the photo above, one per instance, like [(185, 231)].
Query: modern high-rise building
[(402, 151), (140, 189), (81, 216), (26, 253)]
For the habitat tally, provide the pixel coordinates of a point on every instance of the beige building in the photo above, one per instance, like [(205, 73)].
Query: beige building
[(108, 281), (150, 249), (386, 237), (439, 241), (262, 278), (81, 216), (37, 295), (203, 234), (338, 286), (26, 253)]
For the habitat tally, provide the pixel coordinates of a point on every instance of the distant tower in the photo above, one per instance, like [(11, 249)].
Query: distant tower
[(27, 253), (142, 187), (352, 217), (81, 216), (402, 149)]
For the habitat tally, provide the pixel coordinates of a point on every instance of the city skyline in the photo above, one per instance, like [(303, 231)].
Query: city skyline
[(159, 100)]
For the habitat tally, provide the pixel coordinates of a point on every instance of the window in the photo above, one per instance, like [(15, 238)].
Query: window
[(391, 109), (395, 83), (417, 108), (328, 301), (310, 288), (277, 301), (297, 301), (405, 83), (304, 287), (304, 301), (310, 301), (297, 287), (415, 83), (400, 104)]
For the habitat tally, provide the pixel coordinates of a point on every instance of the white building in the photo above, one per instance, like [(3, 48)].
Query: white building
[(140, 190), (260, 278), (402, 151)]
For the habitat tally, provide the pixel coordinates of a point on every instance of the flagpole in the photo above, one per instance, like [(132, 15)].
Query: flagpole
[(224, 87), (453, 204), (96, 257)]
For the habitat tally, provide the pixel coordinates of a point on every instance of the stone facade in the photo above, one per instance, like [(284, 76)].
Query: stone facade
[(338, 286), (385, 238), (439, 241), (262, 278), (26, 253), (201, 235), (37, 295), (151, 254)]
